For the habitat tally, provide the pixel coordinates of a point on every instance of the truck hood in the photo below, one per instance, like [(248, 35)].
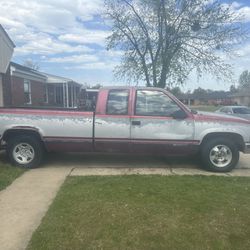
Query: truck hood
[(244, 116), (209, 116)]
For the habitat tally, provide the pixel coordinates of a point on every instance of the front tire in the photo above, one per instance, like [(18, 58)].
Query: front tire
[(220, 155), (25, 151)]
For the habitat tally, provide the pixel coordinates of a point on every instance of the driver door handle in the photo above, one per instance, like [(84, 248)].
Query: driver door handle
[(136, 123)]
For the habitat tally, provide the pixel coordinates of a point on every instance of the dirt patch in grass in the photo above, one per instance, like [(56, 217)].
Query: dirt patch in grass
[(148, 212)]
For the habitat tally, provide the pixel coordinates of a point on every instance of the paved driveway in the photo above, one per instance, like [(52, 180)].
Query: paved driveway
[(129, 161), (101, 164)]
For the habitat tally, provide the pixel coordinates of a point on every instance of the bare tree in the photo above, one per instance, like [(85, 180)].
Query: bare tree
[(164, 40), (31, 64)]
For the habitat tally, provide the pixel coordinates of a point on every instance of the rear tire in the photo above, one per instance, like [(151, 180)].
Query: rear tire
[(219, 155), (25, 151)]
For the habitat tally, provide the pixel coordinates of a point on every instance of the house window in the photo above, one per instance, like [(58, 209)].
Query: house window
[(27, 92)]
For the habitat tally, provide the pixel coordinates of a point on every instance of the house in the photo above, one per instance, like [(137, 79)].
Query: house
[(61, 91), (209, 98), (242, 97), (29, 87), (6, 52), (26, 86)]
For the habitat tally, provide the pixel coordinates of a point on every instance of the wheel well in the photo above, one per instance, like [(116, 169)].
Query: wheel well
[(236, 138), (17, 132)]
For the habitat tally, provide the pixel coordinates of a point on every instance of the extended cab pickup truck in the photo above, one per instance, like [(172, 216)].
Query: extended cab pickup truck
[(127, 120)]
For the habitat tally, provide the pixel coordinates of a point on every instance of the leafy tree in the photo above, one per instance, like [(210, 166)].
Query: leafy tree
[(200, 92), (233, 89), (244, 80), (164, 40), (176, 91)]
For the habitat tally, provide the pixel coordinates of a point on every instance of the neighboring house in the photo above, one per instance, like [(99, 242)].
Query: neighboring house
[(6, 52), (61, 91), (28, 87), (213, 98), (242, 98)]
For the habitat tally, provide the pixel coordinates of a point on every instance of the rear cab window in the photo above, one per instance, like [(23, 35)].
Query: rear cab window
[(117, 103)]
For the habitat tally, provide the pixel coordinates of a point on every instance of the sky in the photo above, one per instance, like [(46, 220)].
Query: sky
[(68, 38)]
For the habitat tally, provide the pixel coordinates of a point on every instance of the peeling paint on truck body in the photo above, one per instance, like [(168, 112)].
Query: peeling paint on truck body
[(79, 131)]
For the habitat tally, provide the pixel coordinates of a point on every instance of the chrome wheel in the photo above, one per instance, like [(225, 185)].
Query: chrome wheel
[(23, 153), (221, 156)]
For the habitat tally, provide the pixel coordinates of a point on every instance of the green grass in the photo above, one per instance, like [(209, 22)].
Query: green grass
[(147, 212), (8, 174), (208, 108)]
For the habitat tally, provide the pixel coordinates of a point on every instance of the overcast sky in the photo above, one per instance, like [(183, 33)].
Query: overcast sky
[(67, 38)]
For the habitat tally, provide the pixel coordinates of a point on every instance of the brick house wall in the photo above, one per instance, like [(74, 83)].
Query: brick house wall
[(17, 91), (51, 94), (37, 92)]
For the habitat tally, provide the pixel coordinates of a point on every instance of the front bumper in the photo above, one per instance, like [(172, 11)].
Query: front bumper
[(247, 148)]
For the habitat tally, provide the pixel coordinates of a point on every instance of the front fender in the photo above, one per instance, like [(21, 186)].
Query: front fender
[(234, 131)]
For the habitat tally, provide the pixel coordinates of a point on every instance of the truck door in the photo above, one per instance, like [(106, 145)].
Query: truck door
[(112, 121), (155, 130)]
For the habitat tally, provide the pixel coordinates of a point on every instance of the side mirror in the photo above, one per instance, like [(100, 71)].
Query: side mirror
[(179, 115)]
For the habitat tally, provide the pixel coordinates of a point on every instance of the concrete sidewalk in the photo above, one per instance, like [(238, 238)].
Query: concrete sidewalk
[(153, 171), (24, 203)]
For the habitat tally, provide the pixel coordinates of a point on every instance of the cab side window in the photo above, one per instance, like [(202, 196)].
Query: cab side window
[(117, 103), (154, 103)]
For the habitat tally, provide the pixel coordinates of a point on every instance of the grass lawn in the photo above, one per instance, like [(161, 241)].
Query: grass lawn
[(147, 212), (8, 174)]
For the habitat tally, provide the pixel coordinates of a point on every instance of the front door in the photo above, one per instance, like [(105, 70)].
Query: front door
[(153, 128)]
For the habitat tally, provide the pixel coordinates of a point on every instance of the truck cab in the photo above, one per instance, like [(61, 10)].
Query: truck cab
[(139, 120)]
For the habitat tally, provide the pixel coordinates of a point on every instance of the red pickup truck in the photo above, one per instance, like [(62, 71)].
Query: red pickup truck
[(126, 120)]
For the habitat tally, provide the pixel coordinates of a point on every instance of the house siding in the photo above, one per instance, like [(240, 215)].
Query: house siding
[(6, 50), (1, 91), (242, 100), (6, 84)]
